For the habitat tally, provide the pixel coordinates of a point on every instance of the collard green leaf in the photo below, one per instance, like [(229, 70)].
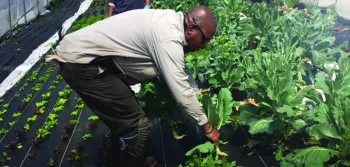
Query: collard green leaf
[(321, 83), (261, 126), (225, 106), (314, 156), (277, 124), (207, 147), (210, 108), (323, 131), (248, 113), (288, 110), (298, 98), (320, 114), (299, 124), (235, 76)]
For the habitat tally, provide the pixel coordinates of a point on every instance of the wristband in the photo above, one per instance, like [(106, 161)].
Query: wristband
[(148, 7), (210, 130)]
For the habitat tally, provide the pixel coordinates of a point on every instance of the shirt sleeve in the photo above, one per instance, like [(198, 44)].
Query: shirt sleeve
[(169, 58), (112, 3)]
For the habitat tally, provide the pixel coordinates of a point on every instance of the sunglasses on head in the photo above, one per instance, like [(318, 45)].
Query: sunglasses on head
[(205, 39)]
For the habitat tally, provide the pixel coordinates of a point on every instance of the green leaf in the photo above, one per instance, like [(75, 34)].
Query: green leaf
[(225, 104), (299, 124), (261, 126), (321, 83), (248, 113), (287, 109), (320, 114), (212, 81), (323, 131), (298, 98), (210, 109), (207, 147), (314, 156), (279, 154)]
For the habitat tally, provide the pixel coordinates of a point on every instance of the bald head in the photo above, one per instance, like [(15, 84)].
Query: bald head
[(204, 18), (200, 27)]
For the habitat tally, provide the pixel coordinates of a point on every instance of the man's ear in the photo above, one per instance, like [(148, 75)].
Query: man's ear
[(190, 29)]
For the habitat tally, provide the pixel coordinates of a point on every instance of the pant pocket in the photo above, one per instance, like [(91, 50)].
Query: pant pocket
[(86, 71)]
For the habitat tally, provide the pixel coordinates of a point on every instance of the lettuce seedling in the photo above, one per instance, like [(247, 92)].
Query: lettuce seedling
[(4, 131), (58, 108), (93, 118), (42, 133), (12, 123), (27, 127), (51, 163), (4, 158), (32, 119), (87, 136), (6, 106), (16, 115)]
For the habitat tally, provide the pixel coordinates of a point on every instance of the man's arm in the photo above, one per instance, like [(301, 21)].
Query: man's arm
[(169, 57), (111, 7), (148, 4)]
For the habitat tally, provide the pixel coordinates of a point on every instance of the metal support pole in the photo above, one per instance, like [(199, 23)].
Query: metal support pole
[(37, 3), (47, 3), (10, 13), (25, 12)]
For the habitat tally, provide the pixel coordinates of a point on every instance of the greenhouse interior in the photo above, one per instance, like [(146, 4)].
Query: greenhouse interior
[(272, 82)]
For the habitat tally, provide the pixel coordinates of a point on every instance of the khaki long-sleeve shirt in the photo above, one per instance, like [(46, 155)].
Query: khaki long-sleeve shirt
[(144, 44)]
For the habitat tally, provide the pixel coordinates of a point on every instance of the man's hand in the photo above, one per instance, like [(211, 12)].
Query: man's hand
[(212, 133)]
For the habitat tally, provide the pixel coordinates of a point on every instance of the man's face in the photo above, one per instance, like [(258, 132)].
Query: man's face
[(197, 37)]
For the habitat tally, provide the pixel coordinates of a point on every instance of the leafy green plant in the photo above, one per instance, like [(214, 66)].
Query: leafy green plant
[(74, 122), (61, 102), (16, 115), (93, 118), (12, 123), (65, 93), (42, 133), (58, 108), (6, 106), (27, 127), (331, 122), (46, 96), (75, 113), (28, 98), (52, 122), (3, 131), (32, 119), (41, 104), (3, 112), (218, 107), (203, 155), (87, 136), (4, 158)]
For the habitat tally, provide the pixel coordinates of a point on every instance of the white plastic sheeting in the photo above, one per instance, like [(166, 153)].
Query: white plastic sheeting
[(343, 9), (38, 53), (15, 12)]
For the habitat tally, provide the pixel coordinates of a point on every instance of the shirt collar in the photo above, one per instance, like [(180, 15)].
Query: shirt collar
[(182, 28)]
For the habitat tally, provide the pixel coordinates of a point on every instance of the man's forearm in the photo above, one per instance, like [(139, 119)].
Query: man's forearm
[(110, 10)]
